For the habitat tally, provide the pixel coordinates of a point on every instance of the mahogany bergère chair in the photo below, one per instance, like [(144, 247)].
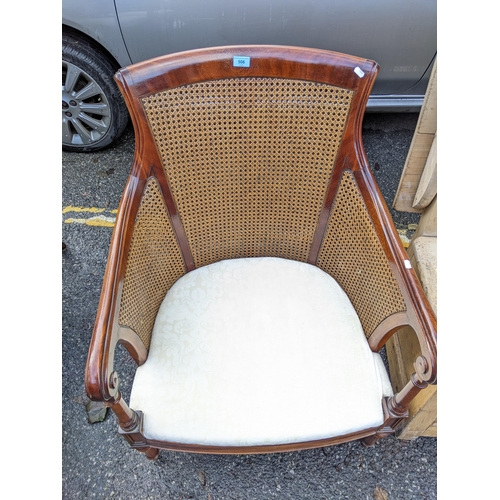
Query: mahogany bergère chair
[(254, 272)]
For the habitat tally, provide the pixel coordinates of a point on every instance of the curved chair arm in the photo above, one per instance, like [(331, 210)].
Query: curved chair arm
[(101, 381), (144, 260), (419, 314)]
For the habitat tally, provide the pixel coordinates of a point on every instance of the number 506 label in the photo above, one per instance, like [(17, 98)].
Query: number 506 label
[(241, 61)]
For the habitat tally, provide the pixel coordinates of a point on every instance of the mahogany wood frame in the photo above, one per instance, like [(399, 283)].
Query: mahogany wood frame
[(175, 70)]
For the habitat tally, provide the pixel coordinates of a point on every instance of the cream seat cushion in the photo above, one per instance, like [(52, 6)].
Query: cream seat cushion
[(258, 351)]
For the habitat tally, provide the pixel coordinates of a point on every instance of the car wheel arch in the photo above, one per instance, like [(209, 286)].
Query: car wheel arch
[(77, 34)]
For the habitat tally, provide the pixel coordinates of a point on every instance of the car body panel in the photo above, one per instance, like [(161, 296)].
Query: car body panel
[(399, 35), (98, 20)]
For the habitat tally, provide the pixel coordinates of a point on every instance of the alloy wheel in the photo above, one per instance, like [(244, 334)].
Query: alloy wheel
[(86, 115)]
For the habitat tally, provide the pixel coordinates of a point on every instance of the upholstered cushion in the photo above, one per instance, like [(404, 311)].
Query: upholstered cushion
[(256, 352)]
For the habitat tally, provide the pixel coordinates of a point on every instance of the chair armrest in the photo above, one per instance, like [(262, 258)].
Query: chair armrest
[(145, 260), (419, 314), (101, 382)]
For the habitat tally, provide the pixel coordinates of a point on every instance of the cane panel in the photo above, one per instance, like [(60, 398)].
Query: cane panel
[(352, 254), (248, 161), (154, 264)]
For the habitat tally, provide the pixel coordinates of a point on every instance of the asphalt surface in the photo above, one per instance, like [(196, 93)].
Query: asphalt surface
[(97, 463)]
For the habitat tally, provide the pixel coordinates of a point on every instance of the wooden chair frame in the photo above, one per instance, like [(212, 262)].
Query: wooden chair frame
[(179, 70)]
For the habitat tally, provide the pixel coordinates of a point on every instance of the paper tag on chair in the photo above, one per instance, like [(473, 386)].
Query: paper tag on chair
[(359, 72)]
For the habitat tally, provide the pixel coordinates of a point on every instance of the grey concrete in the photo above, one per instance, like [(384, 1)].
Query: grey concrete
[(97, 463)]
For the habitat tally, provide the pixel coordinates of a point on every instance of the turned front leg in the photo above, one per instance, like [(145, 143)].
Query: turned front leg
[(131, 427), (396, 407)]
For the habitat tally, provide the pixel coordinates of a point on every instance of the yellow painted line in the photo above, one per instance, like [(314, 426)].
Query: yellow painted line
[(93, 210), (99, 220), (83, 209)]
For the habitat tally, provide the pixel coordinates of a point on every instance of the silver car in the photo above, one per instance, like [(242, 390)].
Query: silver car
[(99, 36)]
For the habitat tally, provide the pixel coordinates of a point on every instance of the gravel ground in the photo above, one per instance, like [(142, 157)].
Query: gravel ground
[(97, 463)]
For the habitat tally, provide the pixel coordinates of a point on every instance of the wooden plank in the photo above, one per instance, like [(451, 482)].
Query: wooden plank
[(396, 359), (422, 419), (431, 431), (427, 225), (427, 123), (427, 187), (419, 149), (425, 263), (412, 172)]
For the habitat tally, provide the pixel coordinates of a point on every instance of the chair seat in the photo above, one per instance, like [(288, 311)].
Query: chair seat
[(258, 351)]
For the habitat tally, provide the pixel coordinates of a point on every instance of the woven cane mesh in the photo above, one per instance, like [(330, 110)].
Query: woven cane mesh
[(154, 264), (351, 252), (248, 161)]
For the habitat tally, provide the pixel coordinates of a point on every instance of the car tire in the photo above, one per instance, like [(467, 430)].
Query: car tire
[(94, 114)]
